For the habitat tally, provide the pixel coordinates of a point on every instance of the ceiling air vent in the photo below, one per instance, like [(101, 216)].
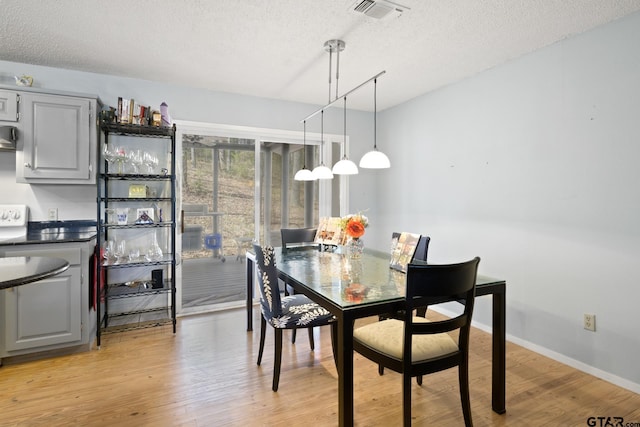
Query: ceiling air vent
[(378, 9)]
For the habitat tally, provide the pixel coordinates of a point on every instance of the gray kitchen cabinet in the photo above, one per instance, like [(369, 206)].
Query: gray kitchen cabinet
[(8, 106), (51, 314), (57, 139), (44, 313)]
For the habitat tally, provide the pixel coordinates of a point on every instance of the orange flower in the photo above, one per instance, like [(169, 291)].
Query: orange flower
[(355, 228)]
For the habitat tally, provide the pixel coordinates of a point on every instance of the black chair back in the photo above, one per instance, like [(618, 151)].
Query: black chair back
[(436, 284), (298, 236)]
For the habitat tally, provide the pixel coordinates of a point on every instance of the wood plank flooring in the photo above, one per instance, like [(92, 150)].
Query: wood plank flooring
[(206, 375)]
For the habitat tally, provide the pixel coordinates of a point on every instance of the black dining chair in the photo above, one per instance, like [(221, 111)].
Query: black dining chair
[(415, 346), (296, 237), (286, 312), (422, 248)]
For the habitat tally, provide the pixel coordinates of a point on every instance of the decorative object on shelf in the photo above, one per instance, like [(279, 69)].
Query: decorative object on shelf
[(164, 115), (346, 166), (154, 253), (353, 226), (122, 215), (304, 174), (138, 191), (375, 159), (144, 216), (156, 118), (24, 80)]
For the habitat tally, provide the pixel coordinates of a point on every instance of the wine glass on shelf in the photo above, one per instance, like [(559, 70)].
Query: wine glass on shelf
[(151, 161), (108, 155), (120, 157)]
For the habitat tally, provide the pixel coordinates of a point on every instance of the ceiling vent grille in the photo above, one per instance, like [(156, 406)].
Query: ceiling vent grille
[(378, 9)]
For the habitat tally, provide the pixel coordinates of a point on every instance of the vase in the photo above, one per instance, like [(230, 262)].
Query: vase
[(355, 247)]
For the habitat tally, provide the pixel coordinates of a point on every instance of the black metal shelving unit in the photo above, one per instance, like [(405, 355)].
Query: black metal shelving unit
[(110, 196)]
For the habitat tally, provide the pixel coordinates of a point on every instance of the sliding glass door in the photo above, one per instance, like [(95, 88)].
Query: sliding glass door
[(236, 185)]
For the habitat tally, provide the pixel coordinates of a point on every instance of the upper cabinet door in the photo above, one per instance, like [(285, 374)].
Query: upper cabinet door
[(8, 106), (57, 139)]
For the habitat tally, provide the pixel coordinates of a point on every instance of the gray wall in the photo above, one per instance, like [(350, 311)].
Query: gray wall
[(533, 166)]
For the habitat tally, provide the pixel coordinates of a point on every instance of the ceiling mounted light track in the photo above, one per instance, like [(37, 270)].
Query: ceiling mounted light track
[(373, 159)]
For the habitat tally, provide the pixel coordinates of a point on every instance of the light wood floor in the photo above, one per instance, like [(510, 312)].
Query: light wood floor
[(206, 375)]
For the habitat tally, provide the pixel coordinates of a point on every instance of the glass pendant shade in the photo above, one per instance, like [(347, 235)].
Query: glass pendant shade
[(322, 172), (304, 174), (375, 159), (345, 167)]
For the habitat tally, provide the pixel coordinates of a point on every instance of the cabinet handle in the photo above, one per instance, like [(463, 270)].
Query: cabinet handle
[(182, 221), (27, 165)]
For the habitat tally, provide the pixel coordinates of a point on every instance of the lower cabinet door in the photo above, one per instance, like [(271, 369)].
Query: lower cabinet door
[(44, 313)]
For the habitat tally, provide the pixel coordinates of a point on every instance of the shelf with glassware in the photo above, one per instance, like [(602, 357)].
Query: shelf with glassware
[(136, 207)]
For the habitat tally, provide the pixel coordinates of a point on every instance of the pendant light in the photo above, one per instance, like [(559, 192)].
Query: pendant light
[(321, 171), (375, 159), (345, 166), (304, 174)]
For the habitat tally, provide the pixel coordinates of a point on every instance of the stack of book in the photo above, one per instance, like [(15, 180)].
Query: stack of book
[(131, 112)]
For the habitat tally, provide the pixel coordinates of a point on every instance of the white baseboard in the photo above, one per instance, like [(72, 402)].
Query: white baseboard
[(581, 366)]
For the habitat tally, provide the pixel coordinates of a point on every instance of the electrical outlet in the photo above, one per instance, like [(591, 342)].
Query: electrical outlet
[(53, 214), (590, 322)]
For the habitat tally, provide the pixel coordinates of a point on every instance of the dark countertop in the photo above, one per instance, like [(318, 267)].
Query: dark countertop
[(16, 271), (55, 232)]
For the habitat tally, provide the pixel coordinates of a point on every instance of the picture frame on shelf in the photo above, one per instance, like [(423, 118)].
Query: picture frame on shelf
[(144, 216)]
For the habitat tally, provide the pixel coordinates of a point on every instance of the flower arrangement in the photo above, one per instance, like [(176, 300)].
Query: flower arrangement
[(354, 225)]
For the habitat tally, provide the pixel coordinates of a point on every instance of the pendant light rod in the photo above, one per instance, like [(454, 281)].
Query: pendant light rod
[(344, 95), (375, 113)]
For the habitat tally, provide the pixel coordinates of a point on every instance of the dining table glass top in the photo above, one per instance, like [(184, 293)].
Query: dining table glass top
[(346, 281), (341, 279)]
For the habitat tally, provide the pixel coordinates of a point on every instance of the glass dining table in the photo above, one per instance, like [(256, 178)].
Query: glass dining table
[(367, 286)]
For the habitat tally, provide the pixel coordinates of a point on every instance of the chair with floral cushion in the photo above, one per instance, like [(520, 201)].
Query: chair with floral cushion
[(297, 237), (284, 312)]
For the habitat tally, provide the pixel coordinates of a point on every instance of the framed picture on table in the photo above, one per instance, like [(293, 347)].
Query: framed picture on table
[(402, 250), (330, 231)]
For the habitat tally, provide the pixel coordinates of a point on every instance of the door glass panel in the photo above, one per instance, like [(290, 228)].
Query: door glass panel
[(218, 206), (283, 200)]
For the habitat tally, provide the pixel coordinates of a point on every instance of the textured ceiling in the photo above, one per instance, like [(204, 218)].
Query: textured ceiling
[(274, 48)]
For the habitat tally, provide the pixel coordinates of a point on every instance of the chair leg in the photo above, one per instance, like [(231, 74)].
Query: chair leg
[(311, 342), (421, 311), (463, 378), (277, 359), (380, 370), (263, 327), (334, 342), (406, 399)]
